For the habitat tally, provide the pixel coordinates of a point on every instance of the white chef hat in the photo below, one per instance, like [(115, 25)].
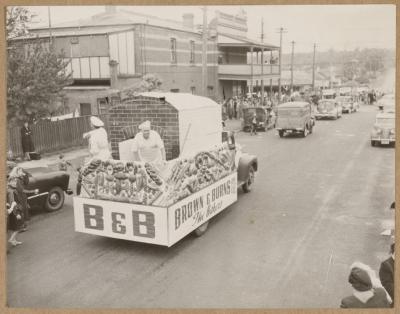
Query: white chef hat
[(145, 125), (96, 121)]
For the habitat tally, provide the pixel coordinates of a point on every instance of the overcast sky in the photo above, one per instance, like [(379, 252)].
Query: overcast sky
[(329, 26)]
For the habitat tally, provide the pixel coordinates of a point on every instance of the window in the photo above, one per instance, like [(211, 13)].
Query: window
[(173, 50), (175, 90), (85, 109), (89, 68), (192, 52), (210, 91), (122, 50)]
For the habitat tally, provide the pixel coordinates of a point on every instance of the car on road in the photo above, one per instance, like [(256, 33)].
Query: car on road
[(328, 108), (348, 104), (384, 131), (295, 117), (52, 186)]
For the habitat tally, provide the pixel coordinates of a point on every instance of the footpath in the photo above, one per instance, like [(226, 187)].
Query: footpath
[(51, 159)]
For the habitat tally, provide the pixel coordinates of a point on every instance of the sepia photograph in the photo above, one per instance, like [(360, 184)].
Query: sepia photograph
[(199, 157)]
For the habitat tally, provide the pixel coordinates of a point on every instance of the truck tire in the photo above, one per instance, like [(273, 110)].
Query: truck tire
[(202, 229), (246, 187), (55, 199), (281, 133), (305, 131)]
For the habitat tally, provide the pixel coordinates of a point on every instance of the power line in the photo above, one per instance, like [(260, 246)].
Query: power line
[(281, 31)]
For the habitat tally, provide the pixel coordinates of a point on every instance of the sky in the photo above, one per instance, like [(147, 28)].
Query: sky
[(339, 27)]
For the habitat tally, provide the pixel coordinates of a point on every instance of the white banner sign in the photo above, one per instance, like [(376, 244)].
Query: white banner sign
[(121, 220), (190, 213)]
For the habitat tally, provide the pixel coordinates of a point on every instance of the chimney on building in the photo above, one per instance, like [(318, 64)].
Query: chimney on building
[(111, 9), (188, 20)]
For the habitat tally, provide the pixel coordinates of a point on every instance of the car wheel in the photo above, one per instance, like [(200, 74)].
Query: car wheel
[(246, 187), (55, 199), (311, 129), (305, 131), (372, 143), (280, 133), (202, 229)]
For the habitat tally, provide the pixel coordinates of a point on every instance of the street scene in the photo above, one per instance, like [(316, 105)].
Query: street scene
[(215, 159)]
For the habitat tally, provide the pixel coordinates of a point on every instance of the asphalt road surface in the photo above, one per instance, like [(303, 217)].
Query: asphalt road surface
[(319, 204)]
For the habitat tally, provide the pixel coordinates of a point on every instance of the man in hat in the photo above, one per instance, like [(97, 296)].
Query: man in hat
[(386, 273), (148, 145), (367, 289), (98, 140)]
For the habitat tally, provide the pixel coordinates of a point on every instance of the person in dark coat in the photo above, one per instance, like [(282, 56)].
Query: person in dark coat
[(367, 289), (26, 140), (15, 219), (386, 273)]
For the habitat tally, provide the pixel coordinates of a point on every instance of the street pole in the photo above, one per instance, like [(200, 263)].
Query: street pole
[(313, 68), (204, 53), (50, 32), (291, 69), (281, 31), (262, 63)]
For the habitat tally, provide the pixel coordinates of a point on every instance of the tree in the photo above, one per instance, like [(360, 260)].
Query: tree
[(35, 73), (149, 82), (17, 21)]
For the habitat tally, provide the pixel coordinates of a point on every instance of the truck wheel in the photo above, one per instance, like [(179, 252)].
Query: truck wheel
[(202, 229), (55, 199), (280, 133), (246, 187), (373, 143)]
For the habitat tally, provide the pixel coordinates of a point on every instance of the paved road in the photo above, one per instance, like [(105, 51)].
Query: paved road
[(319, 204)]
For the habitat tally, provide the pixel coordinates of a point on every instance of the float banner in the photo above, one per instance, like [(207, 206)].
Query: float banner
[(191, 212), (121, 220)]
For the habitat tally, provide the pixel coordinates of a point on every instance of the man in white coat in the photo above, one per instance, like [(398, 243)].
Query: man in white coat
[(98, 140), (148, 145)]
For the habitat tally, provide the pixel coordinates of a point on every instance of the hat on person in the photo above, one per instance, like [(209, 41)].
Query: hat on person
[(145, 126), (360, 279), (96, 121)]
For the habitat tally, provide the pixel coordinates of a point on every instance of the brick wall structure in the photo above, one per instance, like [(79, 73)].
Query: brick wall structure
[(133, 111)]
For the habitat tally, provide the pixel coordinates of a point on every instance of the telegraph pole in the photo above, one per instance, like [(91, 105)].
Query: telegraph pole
[(281, 31), (291, 68), (313, 68), (50, 33), (262, 62), (204, 53)]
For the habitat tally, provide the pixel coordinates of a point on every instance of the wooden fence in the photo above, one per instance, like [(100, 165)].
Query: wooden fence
[(53, 136)]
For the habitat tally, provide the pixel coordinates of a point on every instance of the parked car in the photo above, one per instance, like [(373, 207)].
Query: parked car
[(328, 108), (295, 117), (384, 129), (263, 117), (52, 186), (348, 103)]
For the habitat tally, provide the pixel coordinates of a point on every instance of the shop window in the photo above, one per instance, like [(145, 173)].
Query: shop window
[(173, 51)]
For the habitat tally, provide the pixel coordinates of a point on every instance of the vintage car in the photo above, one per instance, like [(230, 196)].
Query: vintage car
[(51, 185), (384, 129), (264, 119), (295, 117), (328, 108), (348, 103)]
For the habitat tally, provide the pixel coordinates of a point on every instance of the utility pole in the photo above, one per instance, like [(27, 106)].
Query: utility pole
[(291, 68), (50, 33), (262, 62), (281, 31), (204, 53), (313, 68)]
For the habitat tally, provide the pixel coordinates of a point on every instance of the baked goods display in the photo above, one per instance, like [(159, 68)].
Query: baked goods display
[(157, 185)]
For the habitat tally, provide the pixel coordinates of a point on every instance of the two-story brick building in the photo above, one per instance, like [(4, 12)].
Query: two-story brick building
[(113, 50)]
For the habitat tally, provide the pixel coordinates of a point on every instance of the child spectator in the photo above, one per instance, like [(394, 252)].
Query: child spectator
[(63, 164), (14, 210)]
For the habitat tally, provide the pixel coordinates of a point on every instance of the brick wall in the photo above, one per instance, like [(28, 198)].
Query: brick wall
[(138, 109)]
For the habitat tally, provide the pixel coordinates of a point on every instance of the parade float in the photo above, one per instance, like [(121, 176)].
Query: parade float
[(161, 203)]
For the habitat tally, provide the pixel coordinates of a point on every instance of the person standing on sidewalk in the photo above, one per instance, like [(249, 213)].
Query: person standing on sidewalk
[(386, 273), (26, 140)]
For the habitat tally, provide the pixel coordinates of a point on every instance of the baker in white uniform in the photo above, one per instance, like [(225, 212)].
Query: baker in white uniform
[(148, 145), (98, 140)]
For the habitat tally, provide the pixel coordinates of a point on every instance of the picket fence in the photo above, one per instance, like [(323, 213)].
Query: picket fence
[(49, 136)]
